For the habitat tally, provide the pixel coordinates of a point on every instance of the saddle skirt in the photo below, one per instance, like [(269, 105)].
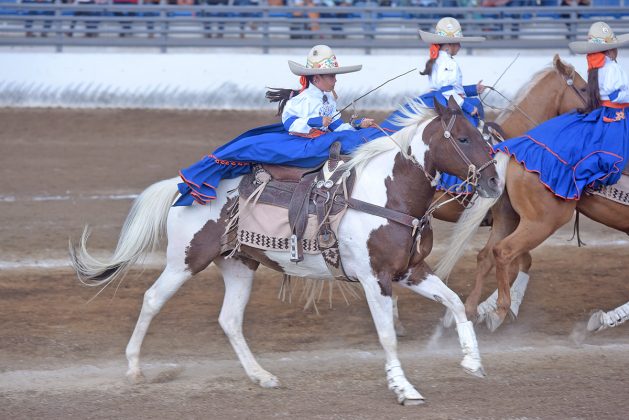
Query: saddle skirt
[(292, 210)]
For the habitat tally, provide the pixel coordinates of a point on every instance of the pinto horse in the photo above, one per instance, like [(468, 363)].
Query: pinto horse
[(392, 172), (524, 217), (550, 92)]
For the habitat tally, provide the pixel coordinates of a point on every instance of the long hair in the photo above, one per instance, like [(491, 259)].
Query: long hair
[(434, 54), (593, 93), (428, 68), (283, 95)]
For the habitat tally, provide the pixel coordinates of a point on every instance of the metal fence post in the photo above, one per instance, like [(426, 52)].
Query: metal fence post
[(164, 35), (58, 28)]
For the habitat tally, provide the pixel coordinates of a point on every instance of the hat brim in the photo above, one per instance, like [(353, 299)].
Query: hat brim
[(430, 38), (300, 70), (585, 47)]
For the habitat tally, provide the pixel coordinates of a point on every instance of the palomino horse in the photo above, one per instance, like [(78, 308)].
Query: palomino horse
[(551, 92), (391, 172), (524, 217)]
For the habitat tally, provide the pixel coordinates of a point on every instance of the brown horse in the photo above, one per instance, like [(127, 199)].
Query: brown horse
[(551, 92), (526, 215), (381, 239)]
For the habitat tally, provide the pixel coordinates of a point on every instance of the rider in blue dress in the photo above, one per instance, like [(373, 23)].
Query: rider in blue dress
[(310, 124), (589, 146), (446, 79)]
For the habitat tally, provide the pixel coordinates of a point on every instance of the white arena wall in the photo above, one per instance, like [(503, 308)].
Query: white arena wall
[(234, 80)]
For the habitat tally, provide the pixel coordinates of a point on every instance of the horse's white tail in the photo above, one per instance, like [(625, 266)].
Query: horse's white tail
[(141, 233), (468, 223)]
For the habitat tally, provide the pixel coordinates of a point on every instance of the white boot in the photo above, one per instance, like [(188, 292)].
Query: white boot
[(603, 320), (467, 338)]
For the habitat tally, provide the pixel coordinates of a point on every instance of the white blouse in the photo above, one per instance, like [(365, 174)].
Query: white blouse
[(302, 112), (613, 82)]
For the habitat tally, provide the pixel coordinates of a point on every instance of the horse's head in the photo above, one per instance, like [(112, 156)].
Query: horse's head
[(550, 92), (573, 94), (458, 148)]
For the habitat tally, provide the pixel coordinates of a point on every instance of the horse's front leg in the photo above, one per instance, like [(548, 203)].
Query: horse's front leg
[(422, 280), (381, 307)]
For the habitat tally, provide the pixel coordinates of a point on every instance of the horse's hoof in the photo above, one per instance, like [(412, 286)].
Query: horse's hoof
[(135, 377), (413, 401), (270, 382), (493, 321), (479, 372), (595, 323)]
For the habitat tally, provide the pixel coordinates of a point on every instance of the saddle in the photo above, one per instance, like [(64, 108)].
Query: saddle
[(304, 192)]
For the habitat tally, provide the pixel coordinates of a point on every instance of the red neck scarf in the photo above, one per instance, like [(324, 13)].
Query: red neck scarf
[(596, 60)]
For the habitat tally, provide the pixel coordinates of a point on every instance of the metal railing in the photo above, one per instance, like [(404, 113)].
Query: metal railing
[(62, 26)]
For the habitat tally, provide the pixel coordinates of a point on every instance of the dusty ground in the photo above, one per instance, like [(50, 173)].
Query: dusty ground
[(63, 357)]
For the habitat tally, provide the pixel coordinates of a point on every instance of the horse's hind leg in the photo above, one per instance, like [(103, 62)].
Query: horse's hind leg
[(163, 289), (424, 282), (238, 276)]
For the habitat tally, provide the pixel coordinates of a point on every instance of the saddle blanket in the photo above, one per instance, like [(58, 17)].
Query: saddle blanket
[(264, 226), (618, 192)]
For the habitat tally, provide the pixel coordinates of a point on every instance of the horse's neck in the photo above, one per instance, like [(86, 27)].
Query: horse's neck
[(393, 181), (539, 104)]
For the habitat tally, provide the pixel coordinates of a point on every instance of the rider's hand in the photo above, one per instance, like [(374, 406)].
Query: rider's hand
[(474, 112), (326, 121), (480, 87), (366, 123)]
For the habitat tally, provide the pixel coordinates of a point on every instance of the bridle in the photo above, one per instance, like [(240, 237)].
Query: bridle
[(473, 173), (570, 84)]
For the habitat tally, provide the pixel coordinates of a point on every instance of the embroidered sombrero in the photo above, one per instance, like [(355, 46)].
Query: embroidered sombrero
[(321, 60), (448, 31), (600, 38)]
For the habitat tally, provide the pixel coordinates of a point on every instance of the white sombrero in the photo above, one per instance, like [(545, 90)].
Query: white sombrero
[(448, 31), (321, 60), (600, 38)]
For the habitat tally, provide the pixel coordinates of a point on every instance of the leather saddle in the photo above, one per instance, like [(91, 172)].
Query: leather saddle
[(304, 192)]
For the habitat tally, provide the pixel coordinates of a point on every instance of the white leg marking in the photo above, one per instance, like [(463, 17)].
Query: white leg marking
[(238, 281), (433, 288), (603, 320), (154, 299), (382, 313), (518, 289)]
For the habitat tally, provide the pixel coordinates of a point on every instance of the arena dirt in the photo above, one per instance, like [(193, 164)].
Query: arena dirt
[(62, 354)]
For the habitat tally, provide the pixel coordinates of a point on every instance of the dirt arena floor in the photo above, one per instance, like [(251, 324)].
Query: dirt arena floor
[(62, 352)]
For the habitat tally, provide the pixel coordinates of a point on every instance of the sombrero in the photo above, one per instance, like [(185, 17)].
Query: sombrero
[(448, 31), (321, 60), (600, 38)]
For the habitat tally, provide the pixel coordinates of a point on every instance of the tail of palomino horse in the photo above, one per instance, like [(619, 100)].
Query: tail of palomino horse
[(468, 223), (141, 233)]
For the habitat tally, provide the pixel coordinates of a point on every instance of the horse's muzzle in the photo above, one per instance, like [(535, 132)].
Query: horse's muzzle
[(490, 187)]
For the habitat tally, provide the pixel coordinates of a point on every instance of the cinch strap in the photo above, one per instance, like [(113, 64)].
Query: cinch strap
[(596, 60)]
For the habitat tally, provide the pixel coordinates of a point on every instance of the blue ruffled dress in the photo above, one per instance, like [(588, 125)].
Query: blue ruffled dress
[(270, 144), (572, 151)]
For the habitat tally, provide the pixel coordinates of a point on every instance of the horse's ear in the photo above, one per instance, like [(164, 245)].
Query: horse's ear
[(453, 105), (560, 65), (441, 110)]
